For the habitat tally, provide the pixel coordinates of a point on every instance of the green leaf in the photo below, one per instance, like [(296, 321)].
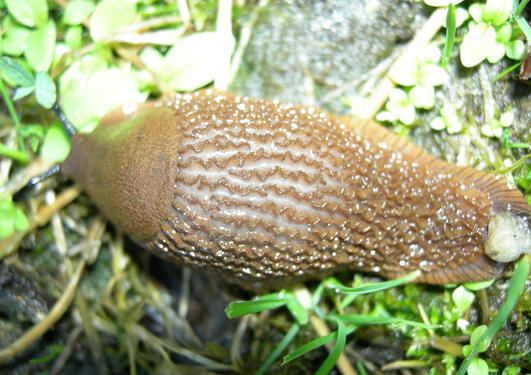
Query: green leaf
[(73, 37), (478, 367), (15, 72), (29, 12), (45, 91), (496, 53), (477, 339), (33, 134), (110, 16), (462, 298), (89, 89), (290, 335), (20, 220), (22, 92), (504, 33), (6, 226), (422, 96), (56, 144), (432, 75), (476, 11), (11, 217), (497, 11), (14, 40), (40, 46), (450, 35), (515, 50), (478, 285), (77, 11), (511, 370), (189, 63), (476, 44), (53, 352)]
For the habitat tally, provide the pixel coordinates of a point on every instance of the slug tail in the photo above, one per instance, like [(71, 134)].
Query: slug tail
[(503, 196)]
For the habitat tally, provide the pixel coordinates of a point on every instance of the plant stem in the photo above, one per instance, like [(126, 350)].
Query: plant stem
[(13, 113)]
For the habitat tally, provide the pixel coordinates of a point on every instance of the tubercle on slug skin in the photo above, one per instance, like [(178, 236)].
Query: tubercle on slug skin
[(258, 190)]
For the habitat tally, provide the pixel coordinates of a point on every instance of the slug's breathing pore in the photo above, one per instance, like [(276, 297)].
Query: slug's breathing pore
[(263, 191)]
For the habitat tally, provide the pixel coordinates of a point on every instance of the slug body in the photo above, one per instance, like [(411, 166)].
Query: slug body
[(260, 191)]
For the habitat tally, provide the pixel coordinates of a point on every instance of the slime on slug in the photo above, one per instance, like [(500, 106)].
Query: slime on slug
[(260, 191)]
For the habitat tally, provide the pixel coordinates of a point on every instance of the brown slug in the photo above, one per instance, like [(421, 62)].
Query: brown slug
[(259, 191)]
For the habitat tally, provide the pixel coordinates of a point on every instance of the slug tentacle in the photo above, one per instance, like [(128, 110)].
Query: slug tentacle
[(258, 190)]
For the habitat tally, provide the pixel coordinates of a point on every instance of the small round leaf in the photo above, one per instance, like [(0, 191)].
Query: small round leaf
[(56, 144), (31, 13), (40, 46), (110, 16), (77, 11), (45, 91)]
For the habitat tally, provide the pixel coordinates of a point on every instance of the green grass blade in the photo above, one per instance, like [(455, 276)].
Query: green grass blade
[(236, 309), (521, 7), (281, 346), (516, 288), (361, 368), (367, 319), (371, 288), (506, 71), (524, 26), (331, 360), (450, 35), (13, 113), (17, 155), (296, 309), (314, 344)]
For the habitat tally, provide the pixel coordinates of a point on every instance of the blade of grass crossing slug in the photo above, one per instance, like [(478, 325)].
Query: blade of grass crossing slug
[(314, 344), (450, 35), (331, 360), (279, 349), (371, 288), (515, 289)]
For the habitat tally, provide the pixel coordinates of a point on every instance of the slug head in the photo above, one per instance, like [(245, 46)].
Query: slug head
[(125, 168)]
